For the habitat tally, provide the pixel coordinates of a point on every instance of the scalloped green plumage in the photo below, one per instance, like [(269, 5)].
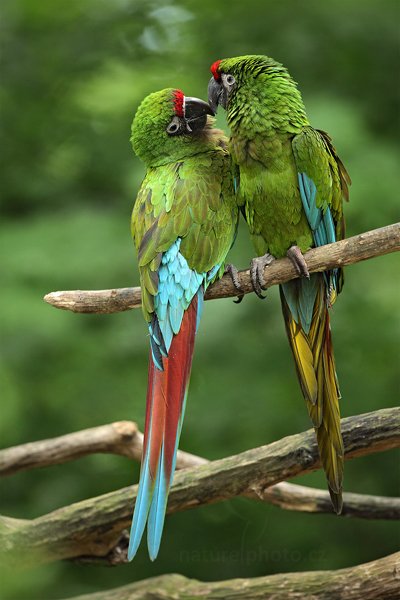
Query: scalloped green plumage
[(187, 192), (272, 144)]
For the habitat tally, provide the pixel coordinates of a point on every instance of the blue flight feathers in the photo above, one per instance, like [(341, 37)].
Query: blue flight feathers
[(320, 219), (301, 297)]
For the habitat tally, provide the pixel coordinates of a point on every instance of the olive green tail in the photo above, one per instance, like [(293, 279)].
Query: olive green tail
[(315, 365)]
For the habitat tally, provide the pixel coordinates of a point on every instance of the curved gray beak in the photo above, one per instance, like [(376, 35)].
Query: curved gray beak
[(217, 94), (195, 113)]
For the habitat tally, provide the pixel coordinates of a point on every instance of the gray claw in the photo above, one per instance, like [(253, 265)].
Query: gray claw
[(257, 273), (234, 274), (298, 261)]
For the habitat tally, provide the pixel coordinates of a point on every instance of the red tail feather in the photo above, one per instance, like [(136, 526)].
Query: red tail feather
[(166, 393)]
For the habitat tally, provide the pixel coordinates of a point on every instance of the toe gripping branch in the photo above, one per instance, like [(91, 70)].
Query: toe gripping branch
[(234, 275), (298, 261), (257, 266)]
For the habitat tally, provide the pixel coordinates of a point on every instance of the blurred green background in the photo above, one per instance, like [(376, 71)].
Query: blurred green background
[(73, 74)]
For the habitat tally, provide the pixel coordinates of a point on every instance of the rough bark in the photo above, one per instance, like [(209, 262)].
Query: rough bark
[(93, 527), (291, 496), (376, 580), (123, 438), (346, 252)]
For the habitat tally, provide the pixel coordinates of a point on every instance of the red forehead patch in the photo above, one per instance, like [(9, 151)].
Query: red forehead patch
[(178, 103), (215, 70)]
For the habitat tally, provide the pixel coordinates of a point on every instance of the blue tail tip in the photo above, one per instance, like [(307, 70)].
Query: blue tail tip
[(131, 553), (153, 553)]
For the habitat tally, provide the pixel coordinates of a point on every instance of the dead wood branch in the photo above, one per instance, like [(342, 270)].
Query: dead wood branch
[(376, 580), (291, 496), (346, 252), (121, 438), (124, 439), (94, 526)]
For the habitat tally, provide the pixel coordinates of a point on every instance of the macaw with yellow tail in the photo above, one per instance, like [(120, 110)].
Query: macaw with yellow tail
[(292, 184)]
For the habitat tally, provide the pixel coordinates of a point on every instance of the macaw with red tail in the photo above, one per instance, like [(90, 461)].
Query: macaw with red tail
[(183, 224)]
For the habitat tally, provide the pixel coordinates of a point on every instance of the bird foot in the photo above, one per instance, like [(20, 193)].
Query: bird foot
[(298, 261), (234, 275), (257, 273)]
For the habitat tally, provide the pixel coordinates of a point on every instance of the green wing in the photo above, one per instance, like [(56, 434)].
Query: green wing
[(323, 183), (193, 200), (316, 157)]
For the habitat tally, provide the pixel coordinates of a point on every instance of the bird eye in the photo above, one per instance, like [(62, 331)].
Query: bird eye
[(173, 128), (230, 80)]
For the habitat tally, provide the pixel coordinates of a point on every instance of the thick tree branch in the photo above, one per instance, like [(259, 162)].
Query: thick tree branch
[(346, 252), (123, 438), (94, 526), (376, 580)]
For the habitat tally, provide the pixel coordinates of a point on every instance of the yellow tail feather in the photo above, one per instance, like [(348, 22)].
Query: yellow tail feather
[(315, 365)]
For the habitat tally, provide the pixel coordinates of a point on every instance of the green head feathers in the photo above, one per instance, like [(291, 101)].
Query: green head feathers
[(247, 68), (258, 94), (169, 126)]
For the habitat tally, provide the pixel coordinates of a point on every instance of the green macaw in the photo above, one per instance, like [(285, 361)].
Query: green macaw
[(183, 224), (292, 184)]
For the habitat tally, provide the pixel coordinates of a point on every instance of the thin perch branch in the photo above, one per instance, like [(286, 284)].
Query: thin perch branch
[(124, 439), (301, 498), (376, 580), (346, 252), (94, 526), (116, 438)]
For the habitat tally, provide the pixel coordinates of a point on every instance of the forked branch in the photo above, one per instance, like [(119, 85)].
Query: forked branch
[(124, 439), (94, 526)]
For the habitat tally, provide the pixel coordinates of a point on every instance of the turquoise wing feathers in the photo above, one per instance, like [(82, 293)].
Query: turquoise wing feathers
[(323, 185)]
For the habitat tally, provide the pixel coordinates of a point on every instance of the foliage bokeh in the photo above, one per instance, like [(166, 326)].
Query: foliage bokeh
[(73, 74)]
